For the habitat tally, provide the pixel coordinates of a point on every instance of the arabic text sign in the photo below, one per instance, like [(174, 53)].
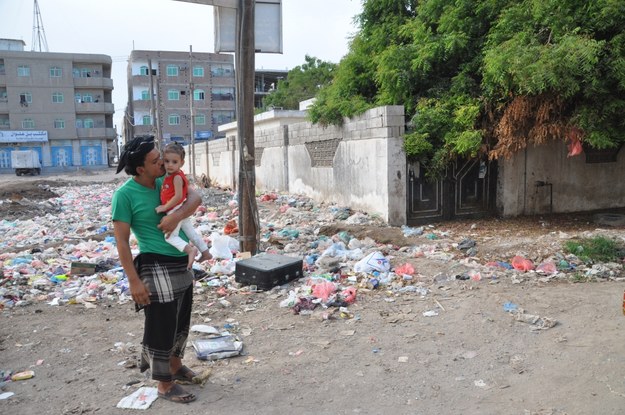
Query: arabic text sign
[(23, 136)]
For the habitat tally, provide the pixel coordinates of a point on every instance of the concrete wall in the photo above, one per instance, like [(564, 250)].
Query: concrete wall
[(577, 186), (360, 164)]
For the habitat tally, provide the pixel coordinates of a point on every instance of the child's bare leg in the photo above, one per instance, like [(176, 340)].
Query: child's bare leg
[(205, 256), (192, 252)]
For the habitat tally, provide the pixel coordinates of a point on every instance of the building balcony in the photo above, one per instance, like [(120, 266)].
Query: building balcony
[(141, 104), (94, 82), (144, 129), (94, 108), (96, 133)]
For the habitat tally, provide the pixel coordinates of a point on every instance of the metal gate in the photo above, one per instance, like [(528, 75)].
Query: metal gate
[(467, 190)]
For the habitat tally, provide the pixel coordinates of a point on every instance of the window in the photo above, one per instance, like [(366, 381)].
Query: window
[(57, 97), (145, 95), (222, 70), (200, 119), (59, 124), (55, 72), (88, 123), (174, 119), (78, 98), (222, 94), (198, 95), (198, 71), (144, 70), (78, 123), (4, 122), (87, 98), (147, 120), (25, 99), (85, 73), (23, 70), (76, 73), (28, 123), (222, 117), (173, 95), (172, 70)]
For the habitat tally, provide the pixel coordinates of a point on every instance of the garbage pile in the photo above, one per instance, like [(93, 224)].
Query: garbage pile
[(44, 258)]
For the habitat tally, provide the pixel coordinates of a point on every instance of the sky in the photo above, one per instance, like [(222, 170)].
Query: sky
[(319, 28)]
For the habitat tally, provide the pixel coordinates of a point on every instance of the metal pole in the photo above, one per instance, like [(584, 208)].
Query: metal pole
[(152, 106), (244, 55), (192, 120)]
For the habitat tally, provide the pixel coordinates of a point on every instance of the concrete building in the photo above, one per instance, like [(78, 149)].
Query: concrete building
[(161, 85), (59, 104), (265, 81)]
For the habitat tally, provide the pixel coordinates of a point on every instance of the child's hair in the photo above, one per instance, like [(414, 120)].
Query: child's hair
[(174, 148)]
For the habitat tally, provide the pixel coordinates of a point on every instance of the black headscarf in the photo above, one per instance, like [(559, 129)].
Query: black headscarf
[(133, 154)]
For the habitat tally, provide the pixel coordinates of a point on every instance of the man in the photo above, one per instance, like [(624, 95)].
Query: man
[(159, 279)]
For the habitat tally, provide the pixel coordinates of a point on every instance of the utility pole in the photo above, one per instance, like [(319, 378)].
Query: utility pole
[(245, 61), (152, 105), (192, 119)]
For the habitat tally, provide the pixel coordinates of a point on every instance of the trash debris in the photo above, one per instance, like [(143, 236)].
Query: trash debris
[(536, 322), (522, 264), (27, 374), (217, 347), (142, 398)]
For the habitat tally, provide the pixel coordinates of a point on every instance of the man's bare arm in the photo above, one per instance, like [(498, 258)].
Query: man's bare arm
[(138, 290), (169, 222)]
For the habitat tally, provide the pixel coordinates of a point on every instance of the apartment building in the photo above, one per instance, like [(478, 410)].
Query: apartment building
[(177, 95), (59, 104)]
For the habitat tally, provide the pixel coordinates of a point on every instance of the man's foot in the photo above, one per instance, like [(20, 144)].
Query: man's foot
[(192, 252), (184, 374), (177, 394), (205, 256)]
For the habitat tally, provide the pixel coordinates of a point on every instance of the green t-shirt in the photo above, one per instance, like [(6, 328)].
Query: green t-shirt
[(135, 204)]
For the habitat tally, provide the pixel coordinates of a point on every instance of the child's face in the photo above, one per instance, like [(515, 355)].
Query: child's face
[(173, 162)]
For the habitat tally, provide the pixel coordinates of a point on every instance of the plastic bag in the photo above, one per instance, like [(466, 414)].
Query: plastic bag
[(406, 269), (323, 290), (221, 246), (375, 261), (521, 264), (217, 347), (547, 267)]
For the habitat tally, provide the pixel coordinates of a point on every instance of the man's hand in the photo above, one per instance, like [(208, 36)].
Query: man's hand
[(139, 291), (169, 222)]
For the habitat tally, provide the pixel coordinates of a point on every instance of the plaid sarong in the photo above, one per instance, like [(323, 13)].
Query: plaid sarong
[(166, 277), (168, 316)]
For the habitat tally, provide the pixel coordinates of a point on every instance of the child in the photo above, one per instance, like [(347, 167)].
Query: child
[(173, 193)]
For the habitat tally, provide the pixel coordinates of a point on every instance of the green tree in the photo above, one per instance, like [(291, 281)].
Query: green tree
[(486, 77), (302, 83)]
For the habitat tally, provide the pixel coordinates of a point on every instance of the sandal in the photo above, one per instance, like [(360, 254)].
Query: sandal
[(184, 374), (177, 394)]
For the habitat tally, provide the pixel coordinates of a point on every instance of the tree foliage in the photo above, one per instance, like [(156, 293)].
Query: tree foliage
[(486, 77), (302, 83)]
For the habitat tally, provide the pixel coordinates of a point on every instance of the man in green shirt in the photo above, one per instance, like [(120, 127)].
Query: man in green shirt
[(159, 279)]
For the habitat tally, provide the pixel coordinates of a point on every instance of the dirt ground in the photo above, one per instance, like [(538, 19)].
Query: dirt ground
[(451, 350)]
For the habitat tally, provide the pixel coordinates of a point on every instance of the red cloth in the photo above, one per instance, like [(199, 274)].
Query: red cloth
[(168, 191)]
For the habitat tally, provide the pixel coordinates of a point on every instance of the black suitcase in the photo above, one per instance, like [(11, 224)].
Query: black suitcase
[(268, 270)]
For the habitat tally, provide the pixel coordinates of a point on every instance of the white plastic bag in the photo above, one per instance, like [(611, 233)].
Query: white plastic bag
[(222, 246), (375, 261)]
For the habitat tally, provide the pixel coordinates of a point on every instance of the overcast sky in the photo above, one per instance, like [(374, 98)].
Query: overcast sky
[(319, 28)]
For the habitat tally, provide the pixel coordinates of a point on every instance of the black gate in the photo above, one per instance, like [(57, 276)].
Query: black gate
[(466, 191)]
